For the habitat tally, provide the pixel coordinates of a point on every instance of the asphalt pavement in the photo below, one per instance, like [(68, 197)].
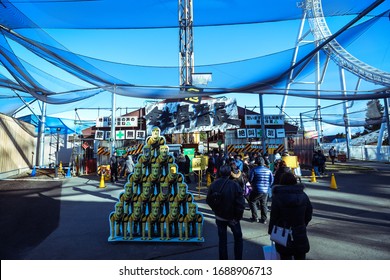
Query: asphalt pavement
[(67, 219)]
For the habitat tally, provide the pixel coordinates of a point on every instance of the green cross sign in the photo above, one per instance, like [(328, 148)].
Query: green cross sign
[(120, 135)]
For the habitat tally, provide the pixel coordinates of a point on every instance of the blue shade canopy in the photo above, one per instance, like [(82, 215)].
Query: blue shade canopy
[(64, 52), (61, 125)]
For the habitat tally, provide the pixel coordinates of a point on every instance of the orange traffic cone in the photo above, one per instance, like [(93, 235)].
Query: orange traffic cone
[(333, 184), (102, 185), (313, 178)]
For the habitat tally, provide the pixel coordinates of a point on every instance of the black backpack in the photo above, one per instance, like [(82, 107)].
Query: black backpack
[(215, 198)]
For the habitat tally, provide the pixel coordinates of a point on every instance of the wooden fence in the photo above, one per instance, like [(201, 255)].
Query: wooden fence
[(17, 146)]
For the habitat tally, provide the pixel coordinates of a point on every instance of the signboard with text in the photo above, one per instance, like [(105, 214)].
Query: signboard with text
[(268, 119)]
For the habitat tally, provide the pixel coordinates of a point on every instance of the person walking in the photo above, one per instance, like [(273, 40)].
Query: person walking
[(122, 165), (211, 169), (322, 158), (315, 162), (291, 208), (261, 179), (114, 168), (332, 154), (280, 169), (129, 164), (229, 214)]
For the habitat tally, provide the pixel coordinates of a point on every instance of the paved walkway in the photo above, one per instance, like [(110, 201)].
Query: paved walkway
[(43, 218)]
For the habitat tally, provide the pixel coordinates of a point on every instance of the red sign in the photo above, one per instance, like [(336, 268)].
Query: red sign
[(85, 145)]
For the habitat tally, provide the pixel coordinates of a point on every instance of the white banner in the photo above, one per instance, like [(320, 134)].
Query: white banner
[(280, 133)]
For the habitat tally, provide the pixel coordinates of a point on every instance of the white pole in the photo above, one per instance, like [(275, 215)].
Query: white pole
[(41, 137), (113, 119)]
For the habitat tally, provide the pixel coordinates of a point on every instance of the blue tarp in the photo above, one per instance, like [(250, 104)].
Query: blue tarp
[(36, 63), (65, 126)]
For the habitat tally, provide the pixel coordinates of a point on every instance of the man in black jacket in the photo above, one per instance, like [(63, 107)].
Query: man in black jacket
[(230, 213)]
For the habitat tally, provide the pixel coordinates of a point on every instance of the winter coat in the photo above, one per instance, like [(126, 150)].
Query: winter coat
[(129, 164), (291, 208), (187, 164), (279, 173), (238, 176), (181, 162), (261, 179), (232, 199)]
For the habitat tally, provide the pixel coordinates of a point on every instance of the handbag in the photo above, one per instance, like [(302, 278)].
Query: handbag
[(280, 235), (247, 189), (270, 252)]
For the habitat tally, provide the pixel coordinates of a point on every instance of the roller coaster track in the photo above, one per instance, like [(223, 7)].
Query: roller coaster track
[(336, 52)]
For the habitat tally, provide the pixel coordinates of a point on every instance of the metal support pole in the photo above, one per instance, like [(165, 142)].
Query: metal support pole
[(41, 137), (262, 123), (57, 148), (186, 43), (386, 103), (113, 119), (318, 101), (294, 60), (346, 111)]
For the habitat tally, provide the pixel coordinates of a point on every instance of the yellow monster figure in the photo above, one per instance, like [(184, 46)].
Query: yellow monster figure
[(145, 196), (193, 220), (155, 222), (173, 178), (155, 141), (172, 221), (154, 178), (117, 220), (135, 220), (182, 197), (136, 179), (145, 159), (164, 196), (127, 198), (164, 159)]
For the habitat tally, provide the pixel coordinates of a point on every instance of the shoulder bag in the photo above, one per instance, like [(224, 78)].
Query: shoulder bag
[(281, 235)]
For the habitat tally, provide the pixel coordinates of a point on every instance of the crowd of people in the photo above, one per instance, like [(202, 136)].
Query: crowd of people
[(267, 181), (254, 180)]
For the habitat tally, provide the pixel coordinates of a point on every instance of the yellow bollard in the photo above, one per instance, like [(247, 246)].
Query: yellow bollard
[(333, 184), (208, 178), (60, 169), (102, 185), (313, 178)]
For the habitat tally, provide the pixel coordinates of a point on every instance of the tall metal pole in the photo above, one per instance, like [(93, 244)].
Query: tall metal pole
[(186, 43), (294, 60), (41, 137), (263, 137), (386, 103), (346, 111), (113, 119), (318, 101), (57, 149)]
